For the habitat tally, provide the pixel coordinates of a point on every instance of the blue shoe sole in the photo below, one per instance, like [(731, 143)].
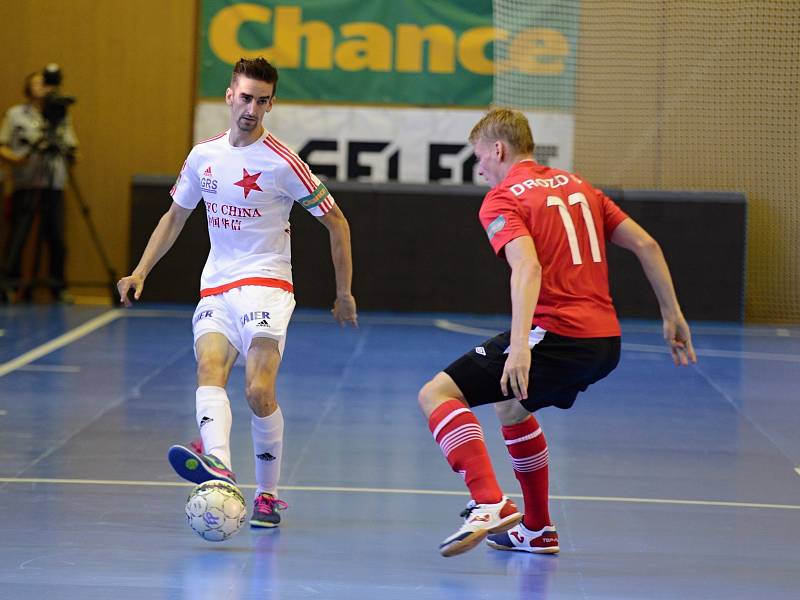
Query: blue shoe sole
[(191, 467)]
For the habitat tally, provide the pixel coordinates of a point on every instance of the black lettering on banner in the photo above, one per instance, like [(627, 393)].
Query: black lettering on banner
[(468, 169), (355, 169), (436, 172), (323, 170)]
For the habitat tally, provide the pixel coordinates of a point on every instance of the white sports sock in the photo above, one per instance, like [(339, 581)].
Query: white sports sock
[(214, 420), (268, 449)]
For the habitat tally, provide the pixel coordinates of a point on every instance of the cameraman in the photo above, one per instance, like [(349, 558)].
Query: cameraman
[(38, 142)]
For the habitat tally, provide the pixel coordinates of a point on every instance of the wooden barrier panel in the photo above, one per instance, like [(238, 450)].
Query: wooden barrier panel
[(421, 248)]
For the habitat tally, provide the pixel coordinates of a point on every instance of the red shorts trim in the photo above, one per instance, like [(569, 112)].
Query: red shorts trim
[(262, 281)]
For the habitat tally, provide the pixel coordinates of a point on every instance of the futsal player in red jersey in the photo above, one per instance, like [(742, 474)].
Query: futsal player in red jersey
[(552, 228)]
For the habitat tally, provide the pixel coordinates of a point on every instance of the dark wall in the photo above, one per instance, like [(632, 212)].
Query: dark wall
[(421, 248)]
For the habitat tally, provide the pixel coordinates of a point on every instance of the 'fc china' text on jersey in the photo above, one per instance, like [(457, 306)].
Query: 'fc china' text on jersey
[(248, 194), (569, 222)]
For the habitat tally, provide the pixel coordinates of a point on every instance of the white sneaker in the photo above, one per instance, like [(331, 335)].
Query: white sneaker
[(522, 539), (479, 521)]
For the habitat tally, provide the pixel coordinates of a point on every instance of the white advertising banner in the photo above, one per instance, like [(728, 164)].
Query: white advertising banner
[(406, 145)]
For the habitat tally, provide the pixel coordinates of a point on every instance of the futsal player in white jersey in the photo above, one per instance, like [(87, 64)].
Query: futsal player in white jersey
[(248, 180)]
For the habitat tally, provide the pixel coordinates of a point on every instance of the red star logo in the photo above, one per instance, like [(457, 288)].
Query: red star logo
[(248, 182)]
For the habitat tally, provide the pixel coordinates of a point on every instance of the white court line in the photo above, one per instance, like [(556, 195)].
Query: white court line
[(718, 353), (59, 342), (299, 317), (496, 326), (457, 328), (797, 470), (445, 324), (405, 491)]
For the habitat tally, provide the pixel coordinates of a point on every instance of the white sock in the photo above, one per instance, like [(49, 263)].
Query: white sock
[(268, 449), (214, 420)]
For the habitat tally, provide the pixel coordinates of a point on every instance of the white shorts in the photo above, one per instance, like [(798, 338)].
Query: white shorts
[(244, 313)]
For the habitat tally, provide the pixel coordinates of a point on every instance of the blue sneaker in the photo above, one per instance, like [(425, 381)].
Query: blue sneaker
[(198, 468), (522, 539)]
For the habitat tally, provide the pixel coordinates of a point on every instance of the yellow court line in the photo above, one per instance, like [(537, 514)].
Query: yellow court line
[(51, 368), (407, 491)]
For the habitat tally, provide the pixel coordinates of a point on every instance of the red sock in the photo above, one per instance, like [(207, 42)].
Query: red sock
[(528, 449), (460, 437)]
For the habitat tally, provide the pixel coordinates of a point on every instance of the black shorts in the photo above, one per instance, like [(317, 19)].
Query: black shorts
[(561, 368)]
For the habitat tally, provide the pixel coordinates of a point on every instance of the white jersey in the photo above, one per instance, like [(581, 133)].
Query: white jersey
[(248, 193)]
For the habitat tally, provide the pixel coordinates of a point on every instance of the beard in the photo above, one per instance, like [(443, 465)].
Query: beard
[(247, 125)]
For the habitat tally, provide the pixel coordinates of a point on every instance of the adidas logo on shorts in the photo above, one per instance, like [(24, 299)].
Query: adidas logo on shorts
[(205, 421), (262, 323), (265, 456)]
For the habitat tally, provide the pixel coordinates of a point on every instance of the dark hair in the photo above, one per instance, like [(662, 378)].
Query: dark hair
[(256, 68), (26, 84)]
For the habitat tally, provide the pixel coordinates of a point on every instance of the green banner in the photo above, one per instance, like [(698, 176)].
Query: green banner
[(400, 52)]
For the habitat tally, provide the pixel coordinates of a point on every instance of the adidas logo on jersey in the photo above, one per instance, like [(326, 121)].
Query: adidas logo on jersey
[(205, 421), (262, 323), (265, 456), (207, 182)]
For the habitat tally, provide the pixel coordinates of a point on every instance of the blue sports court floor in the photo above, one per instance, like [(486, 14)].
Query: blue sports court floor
[(666, 483)]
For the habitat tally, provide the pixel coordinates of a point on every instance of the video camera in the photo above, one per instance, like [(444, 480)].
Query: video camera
[(55, 105)]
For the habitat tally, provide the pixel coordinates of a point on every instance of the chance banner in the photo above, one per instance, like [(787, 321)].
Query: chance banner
[(402, 52)]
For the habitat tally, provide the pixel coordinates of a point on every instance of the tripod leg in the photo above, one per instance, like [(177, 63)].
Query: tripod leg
[(85, 213)]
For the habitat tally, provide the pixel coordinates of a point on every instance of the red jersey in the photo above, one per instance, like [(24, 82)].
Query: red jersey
[(569, 222)]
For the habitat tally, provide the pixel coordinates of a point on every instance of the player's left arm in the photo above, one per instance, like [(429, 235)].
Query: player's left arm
[(631, 236), (526, 282), (344, 307)]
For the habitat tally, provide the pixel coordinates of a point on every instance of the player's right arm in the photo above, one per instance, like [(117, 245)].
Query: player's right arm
[(161, 240), (526, 283), (631, 236)]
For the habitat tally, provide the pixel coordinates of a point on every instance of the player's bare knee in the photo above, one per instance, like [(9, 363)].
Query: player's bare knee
[(425, 398), (510, 412), (436, 392), (261, 398)]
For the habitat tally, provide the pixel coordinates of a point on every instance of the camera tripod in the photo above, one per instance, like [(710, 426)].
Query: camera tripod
[(33, 201)]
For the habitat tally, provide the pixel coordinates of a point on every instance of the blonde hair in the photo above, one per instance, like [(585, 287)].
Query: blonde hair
[(507, 125)]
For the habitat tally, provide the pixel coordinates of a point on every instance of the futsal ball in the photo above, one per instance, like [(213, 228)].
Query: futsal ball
[(216, 510)]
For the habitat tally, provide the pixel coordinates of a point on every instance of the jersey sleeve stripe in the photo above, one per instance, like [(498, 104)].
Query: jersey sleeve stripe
[(211, 139), (294, 161), (292, 155), (299, 167)]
